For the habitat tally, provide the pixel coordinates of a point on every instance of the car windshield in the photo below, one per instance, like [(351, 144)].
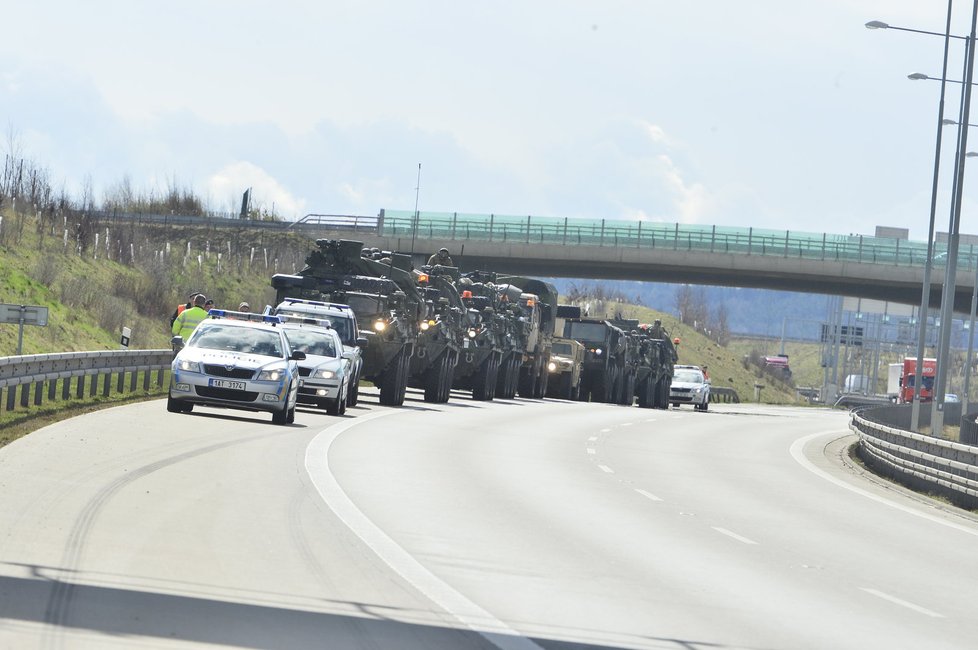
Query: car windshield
[(688, 376), (311, 341), (231, 338)]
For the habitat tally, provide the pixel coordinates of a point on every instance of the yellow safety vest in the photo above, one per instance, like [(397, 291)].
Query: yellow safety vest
[(187, 322)]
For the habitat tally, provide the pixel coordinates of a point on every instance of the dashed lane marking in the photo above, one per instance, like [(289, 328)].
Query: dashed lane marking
[(902, 603), (733, 535), (648, 495)]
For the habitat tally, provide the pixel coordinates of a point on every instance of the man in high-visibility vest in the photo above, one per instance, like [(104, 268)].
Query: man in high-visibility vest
[(189, 319)]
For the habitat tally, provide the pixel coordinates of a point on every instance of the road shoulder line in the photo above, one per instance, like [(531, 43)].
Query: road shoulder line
[(393, 555)]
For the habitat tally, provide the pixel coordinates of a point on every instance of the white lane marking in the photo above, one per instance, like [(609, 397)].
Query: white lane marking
[(591, 451), (461, 608), (626, 424), (797, 452), (592, 439), (902, 603), (649, 420), (605, 430), (733, 535), (605, 468), (648, 495)]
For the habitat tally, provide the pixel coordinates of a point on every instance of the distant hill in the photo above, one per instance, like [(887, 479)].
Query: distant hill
[(755, 312)]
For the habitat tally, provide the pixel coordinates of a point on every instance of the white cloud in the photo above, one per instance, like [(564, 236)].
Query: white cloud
[(693, 201), (266, 192), (655, 132)]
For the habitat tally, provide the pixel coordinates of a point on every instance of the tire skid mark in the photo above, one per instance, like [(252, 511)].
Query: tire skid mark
[(58, 608)]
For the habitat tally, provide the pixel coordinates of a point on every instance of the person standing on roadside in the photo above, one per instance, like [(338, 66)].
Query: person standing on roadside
[(189, 319), (181, 307)]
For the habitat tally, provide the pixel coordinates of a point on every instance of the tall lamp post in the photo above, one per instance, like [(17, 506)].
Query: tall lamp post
[(928, 263), (937, 421)]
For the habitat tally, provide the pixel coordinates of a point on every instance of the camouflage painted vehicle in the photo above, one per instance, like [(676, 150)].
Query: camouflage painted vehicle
[(648, 366), (486, 339), (443, 332), (663, 353), (606, 355), (533, 332), (565, 367), (384, 297)]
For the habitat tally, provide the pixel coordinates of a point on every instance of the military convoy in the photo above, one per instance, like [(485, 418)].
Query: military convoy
[(435, 329)]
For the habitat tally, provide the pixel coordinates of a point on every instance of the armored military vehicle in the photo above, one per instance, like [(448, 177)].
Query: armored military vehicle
[(533, 333), (486, 339), (442, 333), (384, 297)]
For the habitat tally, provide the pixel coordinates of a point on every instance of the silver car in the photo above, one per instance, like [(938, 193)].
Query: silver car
[(239, 361), (325, 372), (690, 386), (344, 321)]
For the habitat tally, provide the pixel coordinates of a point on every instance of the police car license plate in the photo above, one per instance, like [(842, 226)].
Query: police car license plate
[(225, 383)]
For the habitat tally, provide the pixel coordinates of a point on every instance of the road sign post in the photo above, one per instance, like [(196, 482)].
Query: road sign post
[(23, 315)]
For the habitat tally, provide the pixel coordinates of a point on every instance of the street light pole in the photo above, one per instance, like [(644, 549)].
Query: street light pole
[(928, 263), (947, 304)]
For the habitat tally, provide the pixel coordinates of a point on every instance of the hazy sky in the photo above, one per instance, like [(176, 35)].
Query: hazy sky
[(765, 113)]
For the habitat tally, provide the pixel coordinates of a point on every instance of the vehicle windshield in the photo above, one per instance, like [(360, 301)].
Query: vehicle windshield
[(311, 341), (562, 348), (688, 376), (231, 338), (586, 331)]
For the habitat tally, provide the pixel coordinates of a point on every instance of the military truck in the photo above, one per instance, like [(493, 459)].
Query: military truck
[(605, 355), (663, 351), (384, 297), (565, 367), (648, 366), (442, 333), (485, 338), (533, 333)]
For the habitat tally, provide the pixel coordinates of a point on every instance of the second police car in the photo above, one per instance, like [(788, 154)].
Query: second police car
[(237, 360), (344, 321), (325, 371)]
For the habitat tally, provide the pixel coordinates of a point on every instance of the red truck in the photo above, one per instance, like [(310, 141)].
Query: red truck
[(909, 375)]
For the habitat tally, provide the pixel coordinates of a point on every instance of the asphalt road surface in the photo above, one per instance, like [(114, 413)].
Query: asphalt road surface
[(511, 524)]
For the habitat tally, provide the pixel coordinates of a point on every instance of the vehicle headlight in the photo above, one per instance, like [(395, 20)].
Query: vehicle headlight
[(551, 366), (274, 374), (598, 352), (327, 374), (424, 326), (473, 333), (380, 325), (187, 365)]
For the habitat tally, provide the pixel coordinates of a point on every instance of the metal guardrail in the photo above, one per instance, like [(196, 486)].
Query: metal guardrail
[(923, 462), (37, 375), (724, 394)]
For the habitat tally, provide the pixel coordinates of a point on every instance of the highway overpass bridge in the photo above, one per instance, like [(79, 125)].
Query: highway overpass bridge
[(880, 268), (863, 266)]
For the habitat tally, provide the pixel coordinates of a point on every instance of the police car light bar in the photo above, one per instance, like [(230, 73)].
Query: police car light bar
[(244, 315)]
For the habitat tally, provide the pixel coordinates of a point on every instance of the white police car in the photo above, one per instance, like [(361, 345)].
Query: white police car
[(325, 371), (689, 386), (236, 360), (344, 322)]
